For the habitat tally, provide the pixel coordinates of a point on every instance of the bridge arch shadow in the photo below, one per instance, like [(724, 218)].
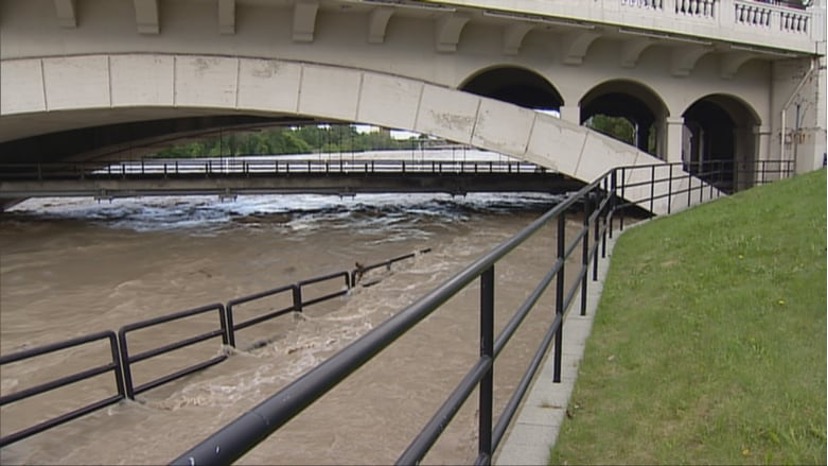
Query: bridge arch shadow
[(721, 130), (636, 103)]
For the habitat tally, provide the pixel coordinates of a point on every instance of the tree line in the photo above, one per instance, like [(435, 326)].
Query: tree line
[(307, 139), (329, 139)]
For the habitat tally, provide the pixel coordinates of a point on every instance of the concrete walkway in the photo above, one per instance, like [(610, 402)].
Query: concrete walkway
[(539, 419)]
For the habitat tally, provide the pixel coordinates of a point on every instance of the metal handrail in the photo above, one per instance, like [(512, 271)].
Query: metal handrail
[(603, 204), (242, 434), (114, 366), (127, 360), (122, 360), (162, 168)]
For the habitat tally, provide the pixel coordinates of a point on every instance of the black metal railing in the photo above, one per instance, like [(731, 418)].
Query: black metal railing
[(228, 167), (127, 361), (122, 361), (114, 366), (663, 186)]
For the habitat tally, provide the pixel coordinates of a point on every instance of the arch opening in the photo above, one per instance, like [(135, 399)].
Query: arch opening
[(629, 112), (517, 86), (720, 134)]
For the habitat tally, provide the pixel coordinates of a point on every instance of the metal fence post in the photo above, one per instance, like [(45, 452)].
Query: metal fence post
[(652, 188), (229, 330), (297, 298), (621, 184), (670, 190), (122, 343), (607, 219), (559, 297), (585, 253), (116, 360), (486, 395)]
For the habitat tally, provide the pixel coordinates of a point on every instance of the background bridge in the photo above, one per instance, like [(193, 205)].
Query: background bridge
[(231, 176)]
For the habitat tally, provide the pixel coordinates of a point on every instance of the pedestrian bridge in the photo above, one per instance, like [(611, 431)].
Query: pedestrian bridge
[(232, 176), (733, 81)]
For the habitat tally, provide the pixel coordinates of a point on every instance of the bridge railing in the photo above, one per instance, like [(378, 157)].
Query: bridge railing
[(223, 167), (782, 24)]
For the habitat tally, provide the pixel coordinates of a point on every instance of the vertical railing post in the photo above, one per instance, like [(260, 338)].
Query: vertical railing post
[(231, 332), (122, 343), (585, 253), (596, 238), (652, 188), (486, 393), (116, 360), (559, 297), (689, 188), (670, 190), (621, 184), (225, 330), (613, 199), (297, 298), (606, 218)]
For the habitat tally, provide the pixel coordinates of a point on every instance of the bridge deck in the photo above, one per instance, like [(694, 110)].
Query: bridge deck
[(231, 176)]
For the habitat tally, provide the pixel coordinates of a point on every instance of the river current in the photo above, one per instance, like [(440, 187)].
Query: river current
[(70, 267)]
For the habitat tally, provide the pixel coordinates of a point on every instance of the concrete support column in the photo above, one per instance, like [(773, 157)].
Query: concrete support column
[(571, 113), (675, 129)]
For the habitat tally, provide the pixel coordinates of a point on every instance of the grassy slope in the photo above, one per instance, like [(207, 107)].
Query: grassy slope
[(709, 345)]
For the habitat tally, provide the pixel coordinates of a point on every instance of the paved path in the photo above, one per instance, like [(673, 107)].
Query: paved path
[(540, 417)]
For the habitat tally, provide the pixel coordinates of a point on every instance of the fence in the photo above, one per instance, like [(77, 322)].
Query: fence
[(122, 362)]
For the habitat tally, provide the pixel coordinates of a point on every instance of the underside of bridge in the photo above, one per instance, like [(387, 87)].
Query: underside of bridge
[(130, 140)]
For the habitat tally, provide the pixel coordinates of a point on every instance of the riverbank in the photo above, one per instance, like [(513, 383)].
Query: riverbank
[(709, 340)]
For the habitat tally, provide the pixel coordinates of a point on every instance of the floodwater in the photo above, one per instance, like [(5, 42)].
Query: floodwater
[(71, 267)]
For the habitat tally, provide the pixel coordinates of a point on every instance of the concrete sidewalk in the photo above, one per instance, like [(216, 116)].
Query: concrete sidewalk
[(539, 418)]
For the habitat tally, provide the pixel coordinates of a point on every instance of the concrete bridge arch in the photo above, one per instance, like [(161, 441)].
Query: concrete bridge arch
[(722, 129), (97, 88), (635, 101), (514, 84)]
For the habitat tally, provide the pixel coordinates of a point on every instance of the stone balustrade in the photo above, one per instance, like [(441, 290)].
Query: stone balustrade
[(776, 24)]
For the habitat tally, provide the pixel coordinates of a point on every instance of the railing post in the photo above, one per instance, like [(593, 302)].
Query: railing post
[(689, 188), (596, 239), (297, 298), (613, 199), (116, 360), (486, 399), (231, 333), (585, 253), (607, 217), (670, 190), (559, 297), (652, 188), (622, 185), (122, 343)]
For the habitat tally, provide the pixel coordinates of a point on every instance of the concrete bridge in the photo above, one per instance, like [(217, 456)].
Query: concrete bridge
[(228, 177), (701, 80)]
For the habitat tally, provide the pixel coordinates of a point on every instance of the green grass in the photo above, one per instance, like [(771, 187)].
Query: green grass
[(709, 344)]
